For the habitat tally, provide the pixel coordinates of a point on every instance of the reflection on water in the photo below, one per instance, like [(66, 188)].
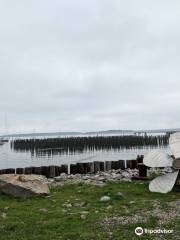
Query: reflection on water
[(57, 156)]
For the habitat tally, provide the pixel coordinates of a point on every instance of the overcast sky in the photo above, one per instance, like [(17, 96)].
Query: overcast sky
[(83, 65)]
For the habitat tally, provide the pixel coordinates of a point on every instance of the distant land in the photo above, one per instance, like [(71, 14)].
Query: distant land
[(108, 132)]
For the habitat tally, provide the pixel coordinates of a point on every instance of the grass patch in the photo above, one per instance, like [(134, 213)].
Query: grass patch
[(59, 215)]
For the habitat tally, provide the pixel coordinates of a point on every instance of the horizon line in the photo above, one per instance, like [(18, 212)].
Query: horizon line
[(100, 131)]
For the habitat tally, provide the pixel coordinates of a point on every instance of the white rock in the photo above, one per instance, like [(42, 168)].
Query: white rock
[(4, 215), (43, 210), (68, 205), (83, 217), (109, 207), (84, 212), (105, 199), (119, 194), (125, 174), (85, 177)]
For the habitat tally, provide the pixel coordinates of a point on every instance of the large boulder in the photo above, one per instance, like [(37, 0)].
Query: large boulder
[(23, 186)]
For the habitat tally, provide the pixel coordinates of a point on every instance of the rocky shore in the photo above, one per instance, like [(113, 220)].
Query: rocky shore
[(98, 179), (101, 178)]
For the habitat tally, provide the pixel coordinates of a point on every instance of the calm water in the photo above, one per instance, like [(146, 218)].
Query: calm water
[(12, 159)]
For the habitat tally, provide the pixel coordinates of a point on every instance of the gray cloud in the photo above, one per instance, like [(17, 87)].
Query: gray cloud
[(89, 65)]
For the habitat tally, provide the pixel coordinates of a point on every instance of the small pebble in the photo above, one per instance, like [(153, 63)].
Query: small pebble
[(4, 215), (119, 194), (69, 205), (43, 210), (105, 199), (64, 210), (109, 207), (83, 217), (82, 204)]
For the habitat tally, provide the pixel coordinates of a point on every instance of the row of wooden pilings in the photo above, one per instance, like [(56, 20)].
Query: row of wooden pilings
[(81, 168), (73, 144)]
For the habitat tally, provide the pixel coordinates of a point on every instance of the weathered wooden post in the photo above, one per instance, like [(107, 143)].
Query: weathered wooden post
[(96, 167), (80, 168), (52, 172), (19, 170), (28, 170), (44, 171), (90, 167), (36, 170), (102, 166), (121, 164), (58, 170), (86, 168), (7, 171), (64, 169), (131, 164), (10, 171), (73, 169), (3, 171), (134, 164), (114, 165), (139, 158), (177, 184), (108, 165), (142, 170)]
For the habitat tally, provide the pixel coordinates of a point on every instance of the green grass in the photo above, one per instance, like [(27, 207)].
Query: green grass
[(24, 220)]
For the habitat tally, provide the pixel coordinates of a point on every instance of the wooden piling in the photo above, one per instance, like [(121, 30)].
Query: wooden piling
[(3, 171), (108, 165), (90, 167), (51, 172), (64, 169), (115, 165), (80, 168), (73, 169), (140, 158), (58, 170), (28, 170), (132, 164), (36, 170), (121, 164), (90, 142), (102, 167), (10, 171), (7, 171), (86, 169), (96, 167), (44, 171), (142, 170), (19, 170)]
